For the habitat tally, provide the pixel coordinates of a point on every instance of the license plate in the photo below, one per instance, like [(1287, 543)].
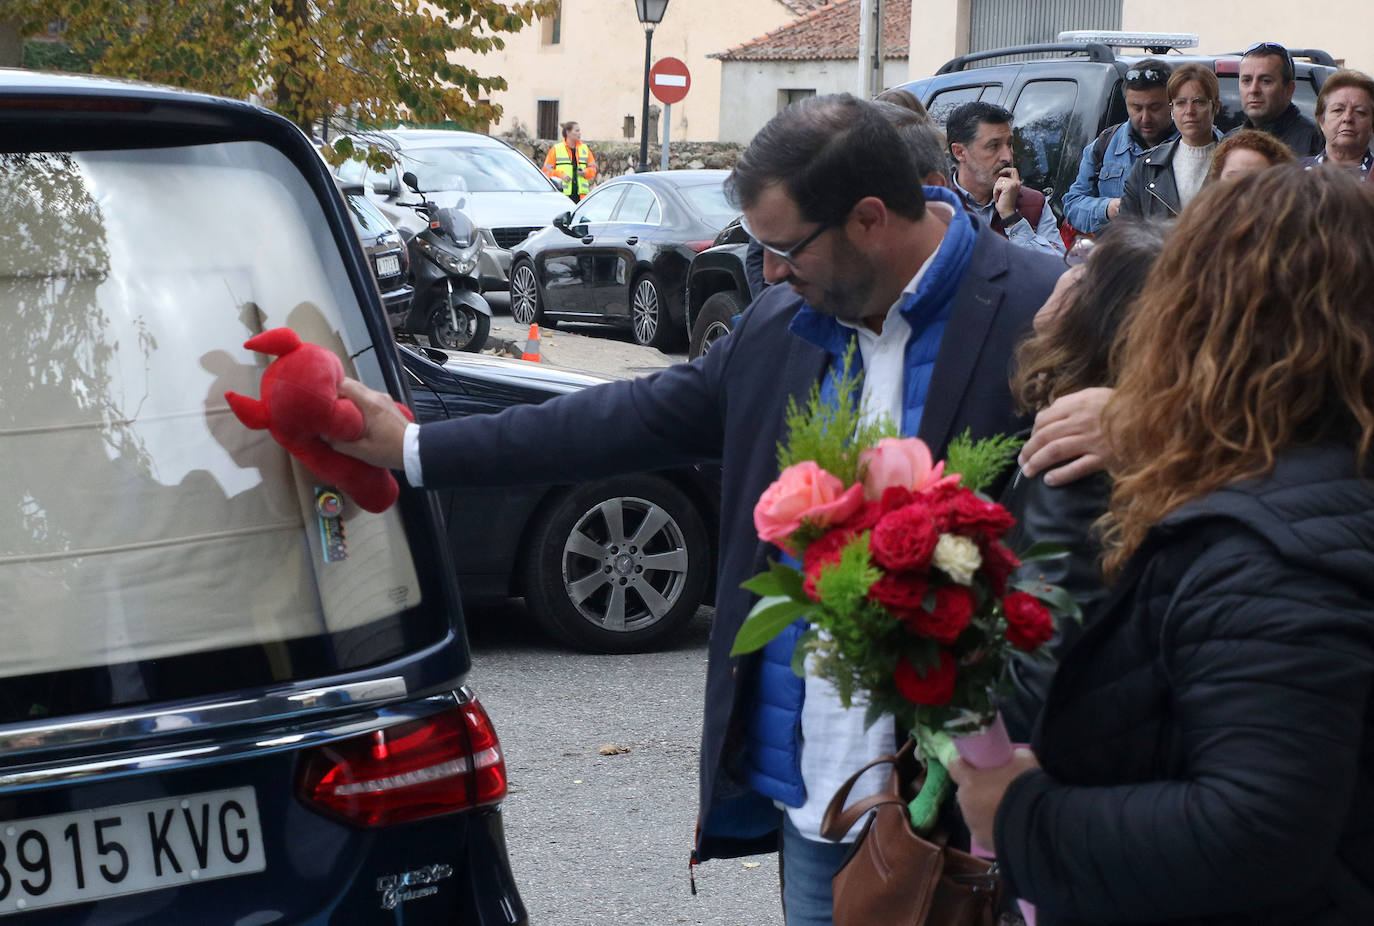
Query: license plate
[(87, 855), (388, 265)]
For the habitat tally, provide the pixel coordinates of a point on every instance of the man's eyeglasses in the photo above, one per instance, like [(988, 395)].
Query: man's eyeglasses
[(1151, 76), (1194, 102), (788, 255)]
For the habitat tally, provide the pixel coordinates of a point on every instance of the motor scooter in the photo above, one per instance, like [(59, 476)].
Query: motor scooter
[(443, 245)]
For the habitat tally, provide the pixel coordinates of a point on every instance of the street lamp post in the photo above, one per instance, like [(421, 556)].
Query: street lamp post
[(650, 13)]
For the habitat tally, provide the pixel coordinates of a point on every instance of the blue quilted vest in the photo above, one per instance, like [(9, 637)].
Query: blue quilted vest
[(773, 749)]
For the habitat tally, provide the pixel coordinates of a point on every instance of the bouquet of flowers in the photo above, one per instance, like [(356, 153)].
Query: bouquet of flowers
[(902, 574)]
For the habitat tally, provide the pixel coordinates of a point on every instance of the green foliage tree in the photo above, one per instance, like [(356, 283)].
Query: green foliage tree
[(379, 60)]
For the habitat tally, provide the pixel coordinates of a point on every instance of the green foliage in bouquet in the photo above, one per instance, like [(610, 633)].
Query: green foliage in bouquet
[(979, 463), (832, 434)]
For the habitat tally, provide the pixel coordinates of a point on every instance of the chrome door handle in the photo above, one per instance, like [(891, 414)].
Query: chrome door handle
[(632, 240), (588, 240)]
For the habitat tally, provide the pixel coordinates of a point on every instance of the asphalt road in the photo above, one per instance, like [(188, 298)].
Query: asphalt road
[(599, 838), (592, 348)]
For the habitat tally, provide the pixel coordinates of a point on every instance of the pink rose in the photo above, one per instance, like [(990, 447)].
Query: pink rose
[(900, 462), (803, 492)]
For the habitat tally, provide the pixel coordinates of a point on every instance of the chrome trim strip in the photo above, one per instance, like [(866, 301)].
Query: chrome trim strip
[(34, 737), (60, 772)]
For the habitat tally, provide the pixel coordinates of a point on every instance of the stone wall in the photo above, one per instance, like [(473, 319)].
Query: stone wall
[(621, 157)]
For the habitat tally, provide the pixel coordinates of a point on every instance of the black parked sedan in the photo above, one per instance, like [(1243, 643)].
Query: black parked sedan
[(385, 251), (621, 256), (613, 566)]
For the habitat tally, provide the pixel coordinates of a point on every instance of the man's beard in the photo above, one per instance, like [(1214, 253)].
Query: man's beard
[(851, 284)]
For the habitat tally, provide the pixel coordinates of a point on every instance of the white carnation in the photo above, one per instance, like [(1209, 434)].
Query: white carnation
[(957, 557)]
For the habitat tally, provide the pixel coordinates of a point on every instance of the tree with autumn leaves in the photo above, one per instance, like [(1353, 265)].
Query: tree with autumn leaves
[(380, 61)]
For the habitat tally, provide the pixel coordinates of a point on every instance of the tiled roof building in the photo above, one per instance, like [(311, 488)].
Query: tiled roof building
[(829, 32)]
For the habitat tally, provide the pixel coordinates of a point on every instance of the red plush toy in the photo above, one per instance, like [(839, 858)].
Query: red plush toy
[(300, 404)]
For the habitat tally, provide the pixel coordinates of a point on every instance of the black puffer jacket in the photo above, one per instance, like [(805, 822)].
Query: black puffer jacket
[(1208, 744)]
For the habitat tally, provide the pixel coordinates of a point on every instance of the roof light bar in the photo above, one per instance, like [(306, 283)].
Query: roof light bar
[(1116, 39)]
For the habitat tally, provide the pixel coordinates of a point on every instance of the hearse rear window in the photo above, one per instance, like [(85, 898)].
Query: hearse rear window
[(144, 523)]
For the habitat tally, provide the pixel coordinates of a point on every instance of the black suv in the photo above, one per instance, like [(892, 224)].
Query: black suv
[(717, 289), (1063, 94)]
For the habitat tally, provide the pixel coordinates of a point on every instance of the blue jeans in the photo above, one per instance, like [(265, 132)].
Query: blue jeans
[(807, 867)]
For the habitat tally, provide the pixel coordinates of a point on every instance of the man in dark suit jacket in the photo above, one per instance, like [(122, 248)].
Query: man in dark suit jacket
[(871, 258)]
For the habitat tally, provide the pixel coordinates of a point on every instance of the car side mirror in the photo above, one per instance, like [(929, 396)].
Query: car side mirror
[(408, 178), (562, 220), (580, 230)]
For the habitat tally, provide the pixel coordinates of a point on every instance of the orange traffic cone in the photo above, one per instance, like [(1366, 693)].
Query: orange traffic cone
[(532, 345)]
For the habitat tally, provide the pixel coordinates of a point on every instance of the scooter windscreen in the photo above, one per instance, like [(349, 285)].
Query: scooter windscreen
[(454, 223)]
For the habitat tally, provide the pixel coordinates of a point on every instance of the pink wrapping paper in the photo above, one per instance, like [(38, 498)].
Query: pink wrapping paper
[(989, 749)]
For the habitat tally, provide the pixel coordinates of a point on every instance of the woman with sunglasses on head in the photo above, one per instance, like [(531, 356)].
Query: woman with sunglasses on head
[(1206, 751), (1167, 177), (1345, 109)]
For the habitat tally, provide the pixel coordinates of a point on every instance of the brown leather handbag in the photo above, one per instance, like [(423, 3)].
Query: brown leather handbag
[(896, 877)]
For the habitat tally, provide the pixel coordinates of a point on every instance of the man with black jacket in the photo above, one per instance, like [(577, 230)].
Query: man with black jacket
[(1267, 82), (860, 256)]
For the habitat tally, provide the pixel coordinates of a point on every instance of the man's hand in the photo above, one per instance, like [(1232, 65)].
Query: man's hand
[(1069, 430), (1113, 208), (384, 427), (981, 791), (1005, 190)]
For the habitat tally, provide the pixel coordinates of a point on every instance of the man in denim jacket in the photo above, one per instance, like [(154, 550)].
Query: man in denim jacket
[(1095, 197)]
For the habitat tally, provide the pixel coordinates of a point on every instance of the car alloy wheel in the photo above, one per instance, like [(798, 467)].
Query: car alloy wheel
[(619, 565), (646, 310), (524, 294)]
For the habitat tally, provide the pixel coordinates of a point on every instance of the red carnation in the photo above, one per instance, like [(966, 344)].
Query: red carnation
[(971, 516), (864, 518), (901, 593), (953, 610), (934, 688), (895, 497), (904, 539), (1029, 624), (821, 552), (998, 565)]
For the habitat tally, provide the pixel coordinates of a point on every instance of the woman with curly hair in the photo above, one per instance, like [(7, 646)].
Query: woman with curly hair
[(1069, 351), (1246, 152), (1206, 753)]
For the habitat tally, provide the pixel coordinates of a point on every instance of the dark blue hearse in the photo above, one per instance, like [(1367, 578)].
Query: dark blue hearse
[(219, 703)]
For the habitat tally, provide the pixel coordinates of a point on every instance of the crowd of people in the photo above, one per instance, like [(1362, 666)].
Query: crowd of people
[(1201, 389)]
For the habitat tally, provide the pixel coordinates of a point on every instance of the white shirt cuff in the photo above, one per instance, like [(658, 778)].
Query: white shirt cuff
[(410, 447)]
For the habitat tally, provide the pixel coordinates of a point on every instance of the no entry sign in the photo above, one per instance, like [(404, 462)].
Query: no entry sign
[(669, 80)]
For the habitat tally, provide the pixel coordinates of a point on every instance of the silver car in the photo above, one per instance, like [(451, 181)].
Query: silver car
[(504, 194)]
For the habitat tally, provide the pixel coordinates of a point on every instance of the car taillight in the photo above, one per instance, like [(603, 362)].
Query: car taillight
[(443, 763), (697, 246)]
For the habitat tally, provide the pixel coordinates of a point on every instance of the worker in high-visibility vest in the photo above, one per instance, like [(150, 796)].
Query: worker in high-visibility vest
[(572, 163)]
